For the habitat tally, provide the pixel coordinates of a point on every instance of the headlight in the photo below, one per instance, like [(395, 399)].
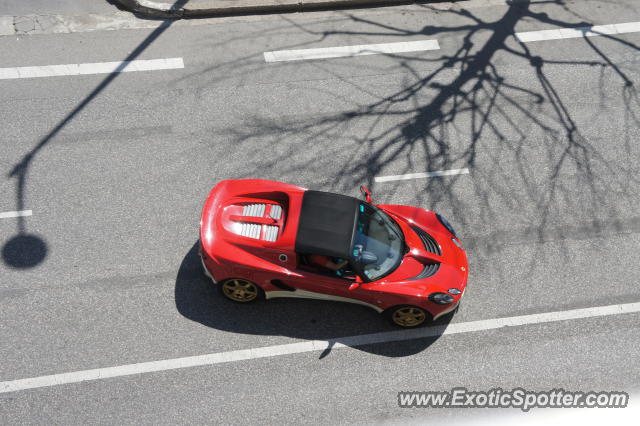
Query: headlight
[(441, 298), (446, 224), (454, 291)]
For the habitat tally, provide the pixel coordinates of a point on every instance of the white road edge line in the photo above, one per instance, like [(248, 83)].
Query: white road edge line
[(313, 345), (348, 51), (451, 172), (591, 31), (91, 68), (20, 213)]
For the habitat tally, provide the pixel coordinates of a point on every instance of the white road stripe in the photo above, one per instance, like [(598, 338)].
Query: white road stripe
[(21, 213), (92, 68), (464, 171), (313, 345), (591, 31), (342, 51)]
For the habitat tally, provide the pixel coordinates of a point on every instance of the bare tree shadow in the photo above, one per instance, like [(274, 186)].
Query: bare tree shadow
[(446, 111), (25, 250)]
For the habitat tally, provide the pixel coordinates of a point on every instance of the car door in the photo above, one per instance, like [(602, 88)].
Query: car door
[(327, 286)]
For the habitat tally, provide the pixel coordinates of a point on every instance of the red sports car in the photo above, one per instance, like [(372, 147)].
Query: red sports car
[(261, 238)]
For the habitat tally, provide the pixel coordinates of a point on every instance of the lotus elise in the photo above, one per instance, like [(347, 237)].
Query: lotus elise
[(267, 239)]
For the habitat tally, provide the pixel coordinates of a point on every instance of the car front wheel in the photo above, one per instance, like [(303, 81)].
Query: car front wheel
[(240, 290), (408, 316)]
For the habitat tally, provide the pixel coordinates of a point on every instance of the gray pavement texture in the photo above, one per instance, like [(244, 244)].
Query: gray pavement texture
[(116, 167), (34, 7)]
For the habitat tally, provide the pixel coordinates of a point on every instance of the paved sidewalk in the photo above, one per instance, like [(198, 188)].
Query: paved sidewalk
[(56, 7), (199, 8)]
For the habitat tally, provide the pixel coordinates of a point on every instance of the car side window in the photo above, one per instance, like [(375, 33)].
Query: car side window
[(328, 266)]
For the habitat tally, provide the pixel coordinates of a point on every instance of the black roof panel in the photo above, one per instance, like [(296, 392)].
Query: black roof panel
[(326, 224)]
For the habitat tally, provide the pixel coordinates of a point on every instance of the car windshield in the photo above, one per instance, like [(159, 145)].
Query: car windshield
[(378, 243)]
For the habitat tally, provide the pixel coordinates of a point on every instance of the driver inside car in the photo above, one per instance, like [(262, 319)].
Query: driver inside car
[(326, 262)]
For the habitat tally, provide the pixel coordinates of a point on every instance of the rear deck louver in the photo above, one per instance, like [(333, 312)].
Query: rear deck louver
[(270, 233), (276, 211), (250, 230), (258, 231), (256, 210)]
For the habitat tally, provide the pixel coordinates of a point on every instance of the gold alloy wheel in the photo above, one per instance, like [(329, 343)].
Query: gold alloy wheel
[(240, 290), (408, 316)]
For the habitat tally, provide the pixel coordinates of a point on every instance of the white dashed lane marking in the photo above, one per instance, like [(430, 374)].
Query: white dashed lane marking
[(348, 51), (313, 345), (422, 175), (20, 213), (592, 31), (91, 68)]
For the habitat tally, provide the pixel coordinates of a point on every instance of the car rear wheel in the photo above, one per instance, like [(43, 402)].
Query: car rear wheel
[(408, 316), (240, 290)]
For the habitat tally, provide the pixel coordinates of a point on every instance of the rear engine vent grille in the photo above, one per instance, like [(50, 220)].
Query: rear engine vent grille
[(259, 231), (256, 210), (428, 271), (429, 242), (270, 233), (276, 211), (250, 230)]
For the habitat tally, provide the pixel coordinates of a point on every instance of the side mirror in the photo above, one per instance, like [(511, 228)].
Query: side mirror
[(356, 283), (367, 194)]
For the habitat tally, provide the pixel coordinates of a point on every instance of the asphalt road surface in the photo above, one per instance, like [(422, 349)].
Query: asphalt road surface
[(104, 175)]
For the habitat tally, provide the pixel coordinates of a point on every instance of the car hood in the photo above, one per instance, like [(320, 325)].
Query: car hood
[(433, 256)]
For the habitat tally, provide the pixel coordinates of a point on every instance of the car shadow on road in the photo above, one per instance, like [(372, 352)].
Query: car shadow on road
[(199, 300)]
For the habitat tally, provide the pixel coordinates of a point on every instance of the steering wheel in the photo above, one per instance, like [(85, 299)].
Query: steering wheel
[(368, 258), (363, 256)]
